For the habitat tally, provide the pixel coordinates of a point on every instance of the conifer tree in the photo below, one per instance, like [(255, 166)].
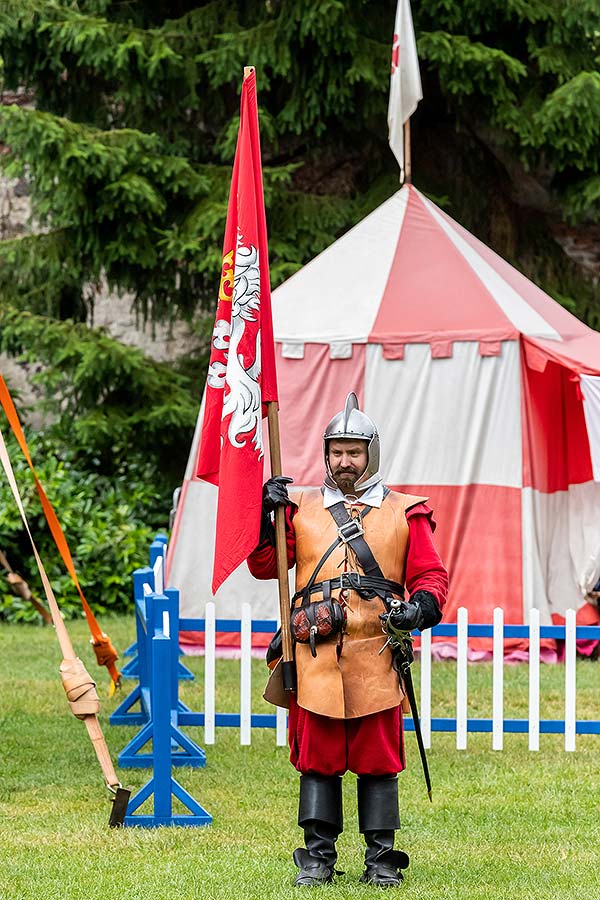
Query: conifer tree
[(129, 146)]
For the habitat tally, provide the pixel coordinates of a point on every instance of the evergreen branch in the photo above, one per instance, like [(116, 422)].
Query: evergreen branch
[(100, 390), (582, 200), (569, 120), (468, 67)]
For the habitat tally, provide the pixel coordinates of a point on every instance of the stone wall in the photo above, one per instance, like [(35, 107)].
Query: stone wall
[(115, 314), (581, 244), (160, 342)]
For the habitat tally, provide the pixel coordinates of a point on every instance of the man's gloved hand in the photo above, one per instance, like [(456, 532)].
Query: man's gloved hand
[(422, 611), (275, 493), (404, 617)]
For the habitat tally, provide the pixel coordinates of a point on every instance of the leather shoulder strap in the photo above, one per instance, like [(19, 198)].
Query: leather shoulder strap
[(326, 555), (350, 531)]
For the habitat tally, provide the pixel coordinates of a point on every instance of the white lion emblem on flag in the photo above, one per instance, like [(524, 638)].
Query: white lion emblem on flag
[(243, 396)]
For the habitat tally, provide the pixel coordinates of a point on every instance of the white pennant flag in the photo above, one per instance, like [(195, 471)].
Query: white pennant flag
[(405, 80)]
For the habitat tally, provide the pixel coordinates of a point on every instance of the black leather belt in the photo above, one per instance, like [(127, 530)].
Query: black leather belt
[(366, 586)]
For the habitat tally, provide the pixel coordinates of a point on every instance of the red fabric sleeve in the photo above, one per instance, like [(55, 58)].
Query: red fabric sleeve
[(262, 562), (424, 569)]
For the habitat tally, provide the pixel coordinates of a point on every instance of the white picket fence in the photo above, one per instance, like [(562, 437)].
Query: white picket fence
[(461, 724)]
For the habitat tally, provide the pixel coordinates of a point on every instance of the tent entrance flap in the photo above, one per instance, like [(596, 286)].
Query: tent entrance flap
[(590, 388)]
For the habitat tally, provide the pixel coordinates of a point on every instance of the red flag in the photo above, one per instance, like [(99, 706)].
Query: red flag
[(241, 374)]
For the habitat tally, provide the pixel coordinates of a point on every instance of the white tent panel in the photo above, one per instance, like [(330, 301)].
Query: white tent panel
[(453, 421), (192, 463), (534, 577), (336, 296), (590, 387)]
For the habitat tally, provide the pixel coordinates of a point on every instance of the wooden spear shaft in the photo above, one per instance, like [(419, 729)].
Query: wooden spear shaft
[(91, 721), (288, 667), (407, 160)]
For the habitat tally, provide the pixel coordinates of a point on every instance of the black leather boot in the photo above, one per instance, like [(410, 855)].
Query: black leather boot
[(320, 815), (378, 819)]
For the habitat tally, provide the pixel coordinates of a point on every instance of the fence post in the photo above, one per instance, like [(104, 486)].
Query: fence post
[(138, 667), (281, 727), (246, 676), (209, 672), (162, 784), (498, 681), (158, 547), (426, 687), (570, 679), (160, 612), (462, 636), (534, 679)]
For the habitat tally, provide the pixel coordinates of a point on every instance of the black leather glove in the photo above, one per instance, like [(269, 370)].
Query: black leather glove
[(405, 617), (275, 493), (430, 611), (422, 611)]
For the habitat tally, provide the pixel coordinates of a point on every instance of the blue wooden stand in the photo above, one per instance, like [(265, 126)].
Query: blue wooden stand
[(152, 612), (132, 668), (162, 786)]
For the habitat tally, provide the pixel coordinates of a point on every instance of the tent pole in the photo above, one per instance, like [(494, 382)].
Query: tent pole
[(407, 159), (288, 667)]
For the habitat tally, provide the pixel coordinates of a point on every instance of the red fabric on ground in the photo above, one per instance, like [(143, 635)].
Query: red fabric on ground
[(370, 745), (587, 615)]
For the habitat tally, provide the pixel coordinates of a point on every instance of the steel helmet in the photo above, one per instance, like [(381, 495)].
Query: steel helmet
[(353, 424)]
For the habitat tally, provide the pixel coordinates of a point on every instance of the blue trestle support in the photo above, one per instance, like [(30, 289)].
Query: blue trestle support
[(154, 612), (158, 547), (161, 731), (123, 714), (131, 650), (131, 669)]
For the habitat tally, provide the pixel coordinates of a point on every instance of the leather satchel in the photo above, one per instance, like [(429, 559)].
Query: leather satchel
[(312, 622)]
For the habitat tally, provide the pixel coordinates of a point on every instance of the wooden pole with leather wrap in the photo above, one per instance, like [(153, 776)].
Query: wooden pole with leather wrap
[(106, 655), (77, 683), (288, 668)]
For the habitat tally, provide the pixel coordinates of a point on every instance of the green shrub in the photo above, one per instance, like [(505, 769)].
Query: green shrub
[(109, 523)]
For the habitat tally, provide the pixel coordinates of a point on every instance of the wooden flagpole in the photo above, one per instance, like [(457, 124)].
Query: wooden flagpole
[(407, 159), (288, 667)]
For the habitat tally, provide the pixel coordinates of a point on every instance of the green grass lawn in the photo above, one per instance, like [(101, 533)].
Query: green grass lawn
[(509, 824)]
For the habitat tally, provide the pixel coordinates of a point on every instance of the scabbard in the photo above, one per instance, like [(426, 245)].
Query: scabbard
[(410, 693)]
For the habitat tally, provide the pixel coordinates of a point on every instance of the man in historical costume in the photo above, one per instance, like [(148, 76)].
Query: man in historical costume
[(355, 544)]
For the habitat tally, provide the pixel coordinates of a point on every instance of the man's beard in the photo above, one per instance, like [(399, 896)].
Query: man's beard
[(345, 480)]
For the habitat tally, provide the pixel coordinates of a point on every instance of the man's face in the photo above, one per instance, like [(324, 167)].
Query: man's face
[(347, 460)]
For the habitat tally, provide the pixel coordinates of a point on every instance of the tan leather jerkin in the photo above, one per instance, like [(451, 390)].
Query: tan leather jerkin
[(358, 681)]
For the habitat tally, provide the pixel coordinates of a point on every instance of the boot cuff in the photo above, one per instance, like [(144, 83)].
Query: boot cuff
[(378, 803), (321, 799)]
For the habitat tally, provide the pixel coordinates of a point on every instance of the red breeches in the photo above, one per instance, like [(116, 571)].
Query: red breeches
[(370, 745)]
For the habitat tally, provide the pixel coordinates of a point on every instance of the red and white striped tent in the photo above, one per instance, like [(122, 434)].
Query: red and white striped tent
[(486, 393)]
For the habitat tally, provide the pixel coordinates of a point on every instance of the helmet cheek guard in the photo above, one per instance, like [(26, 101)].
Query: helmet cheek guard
[(353, 424)]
